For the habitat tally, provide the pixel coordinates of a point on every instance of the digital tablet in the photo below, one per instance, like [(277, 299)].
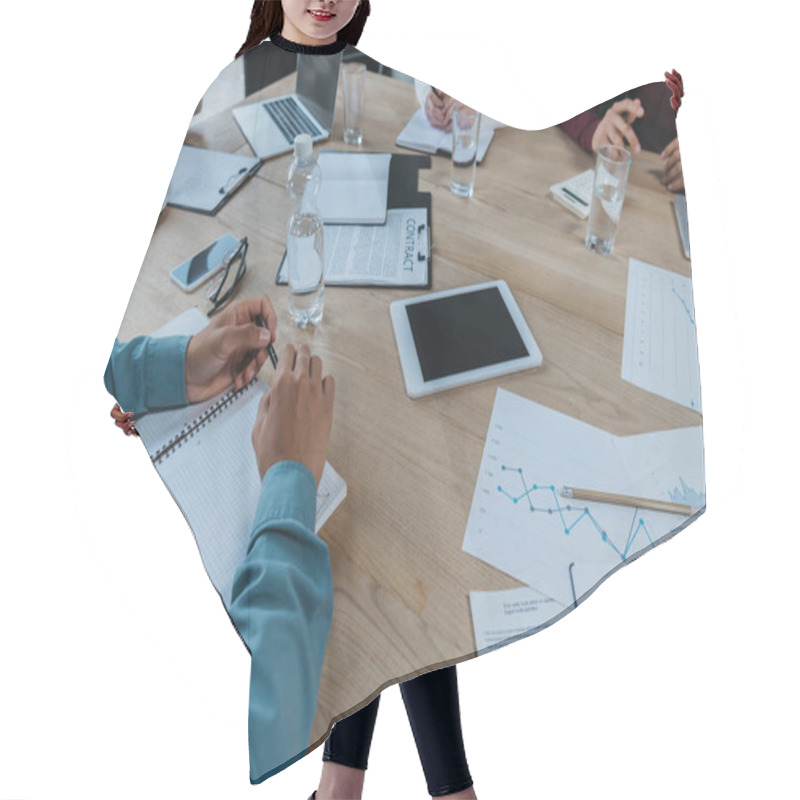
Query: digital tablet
[(461, 336)]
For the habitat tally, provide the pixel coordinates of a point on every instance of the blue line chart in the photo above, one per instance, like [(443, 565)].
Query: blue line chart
[(568, 510), (686, 494), (685, 307)]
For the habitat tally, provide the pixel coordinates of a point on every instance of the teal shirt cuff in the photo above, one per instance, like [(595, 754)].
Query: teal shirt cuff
[(165, 372), (146, 373), (288, 492)]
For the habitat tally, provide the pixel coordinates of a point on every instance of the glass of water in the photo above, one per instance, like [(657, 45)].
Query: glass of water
[(610, 182), (466, 128), (353, 88)]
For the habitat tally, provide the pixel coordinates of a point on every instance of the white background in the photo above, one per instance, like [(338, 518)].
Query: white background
[(119, 674)]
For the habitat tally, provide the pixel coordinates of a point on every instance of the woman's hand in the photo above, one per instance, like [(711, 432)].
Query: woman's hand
[(673, 169), (124, 420), (439, 110), (616, 127), (675, 85), (295, 417), (230, 350)]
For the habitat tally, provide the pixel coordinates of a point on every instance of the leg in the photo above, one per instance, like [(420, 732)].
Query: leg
[(433, 711), (345, 755)]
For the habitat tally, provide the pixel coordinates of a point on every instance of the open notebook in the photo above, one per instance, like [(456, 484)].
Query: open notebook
[(354, 187), (420, 135), (204, 455)]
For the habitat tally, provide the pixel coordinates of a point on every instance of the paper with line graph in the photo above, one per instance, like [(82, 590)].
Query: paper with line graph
[(659, 351), (520, 523)]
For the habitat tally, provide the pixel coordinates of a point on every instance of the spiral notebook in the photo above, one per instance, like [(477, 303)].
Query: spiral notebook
[(204, 455)]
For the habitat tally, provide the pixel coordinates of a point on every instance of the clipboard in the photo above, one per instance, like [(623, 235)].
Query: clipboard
[(204, 180), (402, 194)]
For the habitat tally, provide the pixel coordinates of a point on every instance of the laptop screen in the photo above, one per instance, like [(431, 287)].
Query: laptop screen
[(317, 80)]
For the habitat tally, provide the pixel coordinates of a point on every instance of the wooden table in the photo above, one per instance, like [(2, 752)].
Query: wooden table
[(401, 579)]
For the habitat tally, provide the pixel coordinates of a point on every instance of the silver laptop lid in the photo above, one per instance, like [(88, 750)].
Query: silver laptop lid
[(317, 81)]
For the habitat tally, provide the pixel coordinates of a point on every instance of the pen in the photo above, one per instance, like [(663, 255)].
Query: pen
[(625, 500), (573, 196), (273, 356)]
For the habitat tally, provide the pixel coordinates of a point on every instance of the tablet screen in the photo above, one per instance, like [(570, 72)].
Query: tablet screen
[(463, 332)]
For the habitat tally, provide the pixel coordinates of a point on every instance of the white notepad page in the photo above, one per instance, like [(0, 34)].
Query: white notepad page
[(213, 475), (354, 187)]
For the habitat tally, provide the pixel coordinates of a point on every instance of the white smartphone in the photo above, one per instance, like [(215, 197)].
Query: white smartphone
[(200, 267)]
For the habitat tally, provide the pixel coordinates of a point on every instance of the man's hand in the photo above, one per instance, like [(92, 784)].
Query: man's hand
[(230, 350), (616, 127), (673, 170), (295, 417)]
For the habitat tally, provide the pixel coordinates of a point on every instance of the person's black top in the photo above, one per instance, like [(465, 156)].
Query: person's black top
[(322, 50)]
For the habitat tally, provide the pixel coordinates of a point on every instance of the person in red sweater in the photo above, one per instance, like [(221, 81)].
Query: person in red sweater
[(642, 119)]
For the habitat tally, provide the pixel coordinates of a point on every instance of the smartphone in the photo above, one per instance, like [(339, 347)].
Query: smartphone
[(199, 268)]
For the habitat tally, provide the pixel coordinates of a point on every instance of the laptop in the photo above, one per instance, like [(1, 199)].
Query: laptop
[(270, 126)]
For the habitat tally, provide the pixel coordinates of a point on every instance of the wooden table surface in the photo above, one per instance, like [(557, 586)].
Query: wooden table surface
[(401, 579)]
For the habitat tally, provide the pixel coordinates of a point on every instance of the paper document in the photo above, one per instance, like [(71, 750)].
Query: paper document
[(520, 523), (659, 351), (354, 187), (204, 179), (498, 617), (394, 254), (650, 461), (419, 134)]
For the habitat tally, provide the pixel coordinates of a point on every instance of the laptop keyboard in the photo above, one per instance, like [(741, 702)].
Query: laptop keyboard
[(290, 118)]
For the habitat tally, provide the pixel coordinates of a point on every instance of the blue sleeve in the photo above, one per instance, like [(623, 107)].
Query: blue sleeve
[(282, 604), (147, 373)]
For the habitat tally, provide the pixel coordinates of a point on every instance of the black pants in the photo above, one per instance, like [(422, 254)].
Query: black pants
[(432, 706)]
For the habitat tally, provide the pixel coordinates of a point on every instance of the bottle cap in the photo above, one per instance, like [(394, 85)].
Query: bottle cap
[(303, 147)]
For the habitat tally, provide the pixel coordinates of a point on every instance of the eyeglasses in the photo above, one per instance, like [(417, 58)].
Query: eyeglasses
[(216, 295)]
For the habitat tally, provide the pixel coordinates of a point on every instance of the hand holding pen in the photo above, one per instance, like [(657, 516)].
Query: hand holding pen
[(273, 356), (439, 109), (124, 420), (231, 349)]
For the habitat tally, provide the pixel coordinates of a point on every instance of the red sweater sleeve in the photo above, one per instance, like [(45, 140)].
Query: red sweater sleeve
[(581, 128)]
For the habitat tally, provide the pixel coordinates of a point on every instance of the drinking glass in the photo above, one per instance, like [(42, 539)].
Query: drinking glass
[(353, 87), (608, 192), (466, 128)]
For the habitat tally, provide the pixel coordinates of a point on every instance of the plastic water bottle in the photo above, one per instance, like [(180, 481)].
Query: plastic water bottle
[(304, 237)]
